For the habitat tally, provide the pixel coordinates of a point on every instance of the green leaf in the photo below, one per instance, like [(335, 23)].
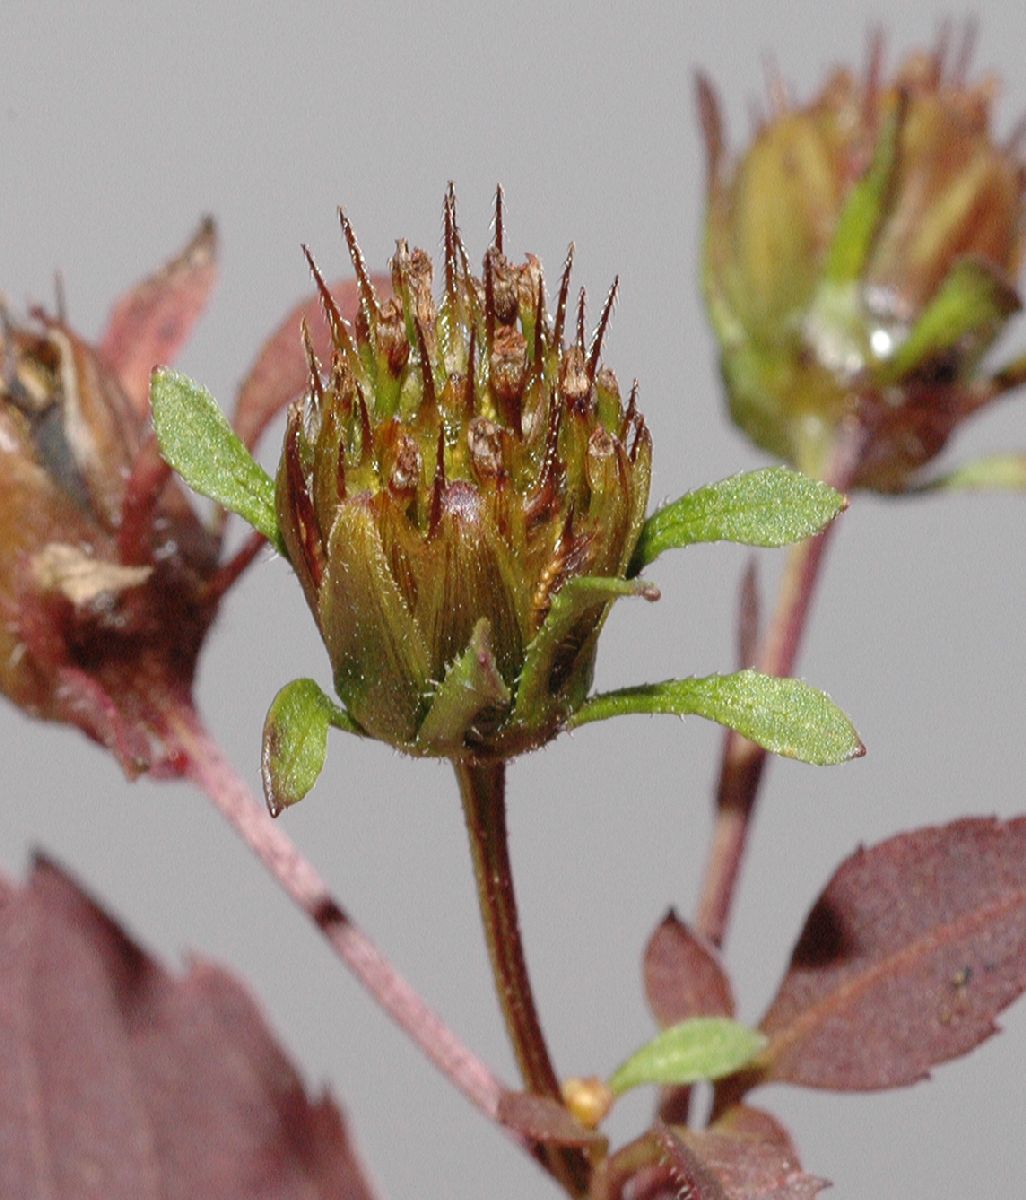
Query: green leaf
[(784, 716), (770, 507), (863, 210), (569, 604), (296, 740), (197, 441), (471, 684), (996, 473), (701, 1048), (973, 299)]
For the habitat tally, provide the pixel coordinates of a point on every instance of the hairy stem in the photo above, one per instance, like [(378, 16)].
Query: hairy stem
[(201, 760), (483, 789), (742, 762)]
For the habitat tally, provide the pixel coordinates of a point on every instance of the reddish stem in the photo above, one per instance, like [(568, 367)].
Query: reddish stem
[(201, 760), (742, 762), (483, 788)]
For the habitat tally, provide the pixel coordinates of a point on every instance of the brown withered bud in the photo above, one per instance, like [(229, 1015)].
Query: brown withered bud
[(860, 258), (108, 578)]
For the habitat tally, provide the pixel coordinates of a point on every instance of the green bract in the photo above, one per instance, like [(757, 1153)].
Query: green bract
[(701, 1048)]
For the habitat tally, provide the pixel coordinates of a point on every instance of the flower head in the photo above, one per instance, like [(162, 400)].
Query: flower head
[(108, 579), (859, 262), (460, 462)]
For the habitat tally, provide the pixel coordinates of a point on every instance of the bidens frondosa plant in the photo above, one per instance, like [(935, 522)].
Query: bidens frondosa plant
[(462, 495), (860, 259)]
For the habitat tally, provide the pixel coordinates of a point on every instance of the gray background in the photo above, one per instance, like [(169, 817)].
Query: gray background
[(119, 126)]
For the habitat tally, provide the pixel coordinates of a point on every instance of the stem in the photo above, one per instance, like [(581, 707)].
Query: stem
[(742, 762), (202, 761), (483, 789)]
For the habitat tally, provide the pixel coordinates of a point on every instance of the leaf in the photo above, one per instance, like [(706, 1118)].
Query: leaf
[(784, 716), (995, 473), (295, 741), (683, 975), (119, 1079), (149, 325), (471, 685), (545, 1120), (973, 298), (280, 373), (570, 603), (748, 1167), (197, 441), (907, 957), (774, 506), (701, 1048)]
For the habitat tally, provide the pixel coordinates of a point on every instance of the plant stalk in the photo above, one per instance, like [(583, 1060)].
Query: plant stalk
[(742, 762), (200, 759), (483, 790)]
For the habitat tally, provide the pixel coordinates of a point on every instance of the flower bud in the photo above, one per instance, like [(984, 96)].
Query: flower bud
[(858, 260), (435, 497), (108, 580)]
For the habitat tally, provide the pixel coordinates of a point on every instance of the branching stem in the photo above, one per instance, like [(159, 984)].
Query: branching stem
[(201, 760)]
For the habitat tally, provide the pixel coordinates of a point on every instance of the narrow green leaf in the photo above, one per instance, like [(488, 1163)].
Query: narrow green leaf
[(701, 1048), (770, 507), (784, 716), (572, 600), (295, 741), (860, 219), (973, 299), (471, 684), (197, 441), (996, 473)]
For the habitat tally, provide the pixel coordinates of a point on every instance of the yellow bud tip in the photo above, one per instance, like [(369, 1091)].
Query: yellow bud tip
[(588, 1100)]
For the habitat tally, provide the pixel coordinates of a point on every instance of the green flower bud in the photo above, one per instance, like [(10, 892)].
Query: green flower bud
[(858, 259), (455, 467)]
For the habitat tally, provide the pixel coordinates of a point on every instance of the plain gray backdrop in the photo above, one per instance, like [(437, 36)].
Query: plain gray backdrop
[(120, 124)]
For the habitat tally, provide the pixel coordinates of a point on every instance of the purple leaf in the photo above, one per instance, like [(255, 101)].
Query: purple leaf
[(683, 975), (121, 1080), (748, 1168), (544, 1120), (907, 957), (148, 325)]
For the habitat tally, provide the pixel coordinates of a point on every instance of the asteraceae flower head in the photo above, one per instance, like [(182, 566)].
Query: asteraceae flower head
[(459, 462), (108, 578), (859, 261)]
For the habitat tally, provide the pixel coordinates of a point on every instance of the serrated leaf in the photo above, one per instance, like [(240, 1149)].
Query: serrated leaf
[(683, 975), (295, 741), (907, 957), (774, 506), (973, 299), (569, 604), (996, 473), (701, 1048), (471, 685), (747, 1167), (124, 1080), (784, 716), (197, 441)]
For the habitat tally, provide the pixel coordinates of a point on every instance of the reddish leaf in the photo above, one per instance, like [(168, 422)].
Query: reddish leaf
[(744, 1120), (280, 372), (149, 324), (683, 975), (120, 1080), (749, 1168), (545, 1120), (905, 960)]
